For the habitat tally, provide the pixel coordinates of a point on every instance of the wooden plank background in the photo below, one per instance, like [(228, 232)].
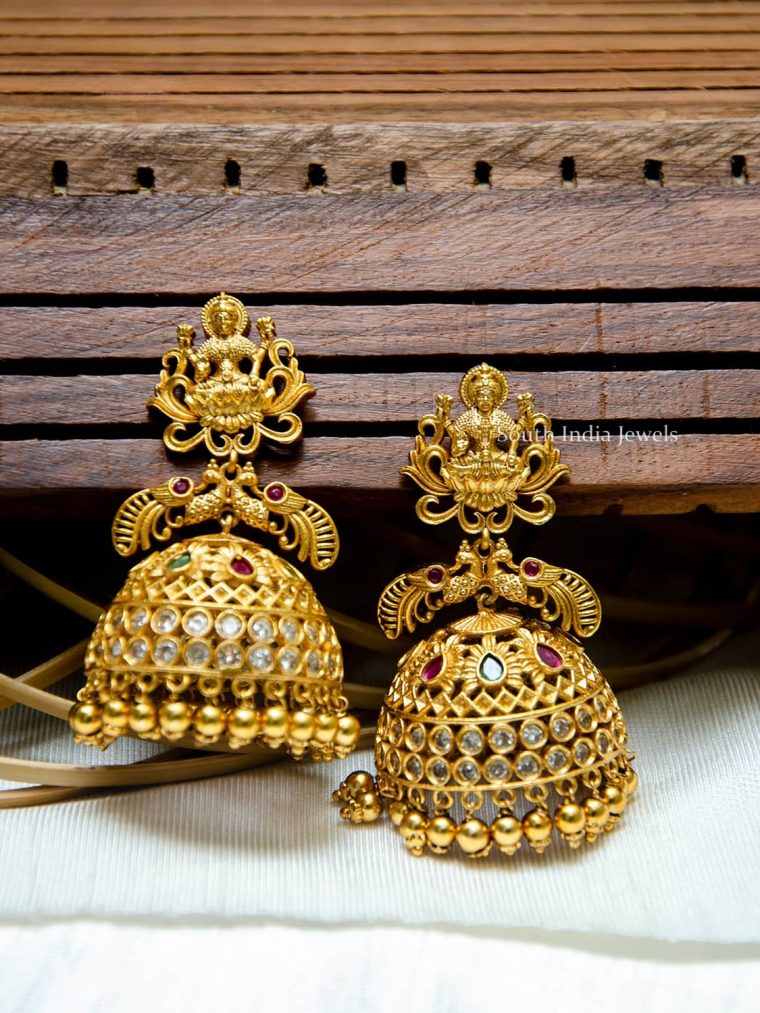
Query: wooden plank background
[(408, 190)]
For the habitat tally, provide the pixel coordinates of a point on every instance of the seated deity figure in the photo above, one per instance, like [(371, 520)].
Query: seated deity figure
[(484, 463), (227, 397)]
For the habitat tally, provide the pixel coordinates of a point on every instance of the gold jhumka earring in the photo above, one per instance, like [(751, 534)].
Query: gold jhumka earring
[(216, 638), (497, 729)]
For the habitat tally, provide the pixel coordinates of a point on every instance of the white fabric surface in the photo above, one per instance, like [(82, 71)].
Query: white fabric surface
[(86, 966), (269, 845)]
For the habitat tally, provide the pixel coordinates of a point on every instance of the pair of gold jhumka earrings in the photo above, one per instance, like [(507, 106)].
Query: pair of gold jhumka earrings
[(497, 729)]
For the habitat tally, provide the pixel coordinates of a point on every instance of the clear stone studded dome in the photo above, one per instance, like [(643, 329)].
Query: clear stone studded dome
[(496, 714), (217, 638)]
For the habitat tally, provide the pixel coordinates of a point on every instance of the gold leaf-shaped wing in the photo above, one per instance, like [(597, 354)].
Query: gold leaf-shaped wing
[(148, 515), (312, 529), (567, 596), (409, 600)]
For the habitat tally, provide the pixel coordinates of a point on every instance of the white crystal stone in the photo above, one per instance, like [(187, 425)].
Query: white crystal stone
[(165, 652), (442, 740), (165, 620), (395, 731), (312, 662), (414, 768), (229, 625), (532, 734), (502, 738), (138, 649), (138, 619), (497, 769), (438, 771), (556, 759), (197, 623), (261, 658), (561, 726), (116, 649), (229, 656), (471, 741), (602, 742), (312, 632), (290, 630), (289, 659), (467, 771), (415, 736), (584, 718), (491, 668), (117, 618), (582, 752), (197, 653), (601, 707), (262, 628), (332, 663), (527, 765)]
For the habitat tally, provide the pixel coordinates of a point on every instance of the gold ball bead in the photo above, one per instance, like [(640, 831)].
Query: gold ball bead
[(85, 718), (537, 826), (359, 781), (326, 728), (301, 726), (175, 717), (209, 721), (142, 717), (507, 831), (472, 836), (397, 811), (570, 818), (596, 812), (275, 723), (348, 730), (413, 823), (370, 806), (615, 799), (631, 781), (115, 713), (441, 831), (243, 723)]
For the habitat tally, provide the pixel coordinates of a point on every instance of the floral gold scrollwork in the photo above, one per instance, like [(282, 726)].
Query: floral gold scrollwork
[(484, 467), (219, 393)]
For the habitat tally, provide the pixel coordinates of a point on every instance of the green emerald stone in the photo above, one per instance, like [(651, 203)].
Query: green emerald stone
[(179, 562)]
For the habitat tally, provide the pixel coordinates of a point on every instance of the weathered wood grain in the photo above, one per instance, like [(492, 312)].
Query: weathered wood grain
[(654, 238), (404, 397), (326, 109), (294, 26), (720, 471), (76, 64), (378, 83), (439, 158), (333, 332)]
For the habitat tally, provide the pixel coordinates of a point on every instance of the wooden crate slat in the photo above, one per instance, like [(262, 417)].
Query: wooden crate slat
[(404, 397), (332, 109), (333, 332), (720, 471), (265, 244), (441, 157)]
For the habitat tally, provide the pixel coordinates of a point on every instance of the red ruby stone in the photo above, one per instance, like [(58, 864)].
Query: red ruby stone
[(241, 566), (181, 486), (435, 575), (433, 668), (549, 656), (275, 493), (531, 568)]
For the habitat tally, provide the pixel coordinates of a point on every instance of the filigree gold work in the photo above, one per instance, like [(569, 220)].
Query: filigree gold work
[(216, 637), (216, 393), (482, 466), (497, 729)]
